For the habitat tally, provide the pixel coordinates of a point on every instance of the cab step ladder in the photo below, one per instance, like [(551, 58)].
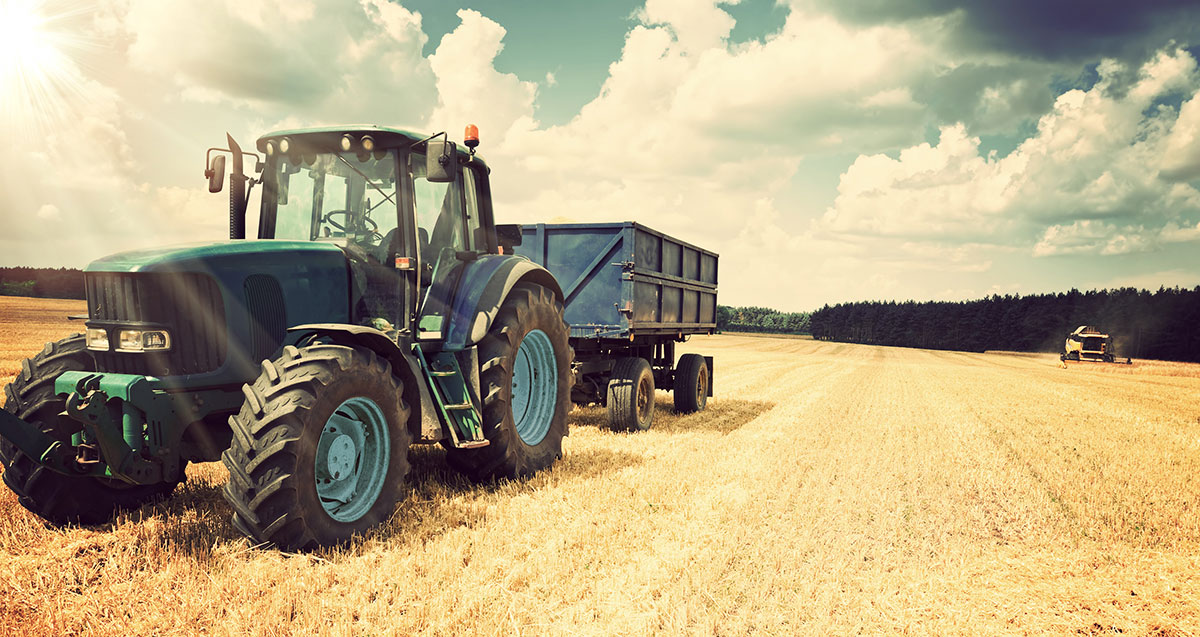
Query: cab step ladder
[(453, 399)]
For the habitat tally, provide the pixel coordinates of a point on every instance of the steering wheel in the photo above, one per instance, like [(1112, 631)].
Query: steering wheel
[(368, 223)]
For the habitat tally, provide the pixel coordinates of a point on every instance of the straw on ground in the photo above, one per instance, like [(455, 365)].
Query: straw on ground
[(829, 489)]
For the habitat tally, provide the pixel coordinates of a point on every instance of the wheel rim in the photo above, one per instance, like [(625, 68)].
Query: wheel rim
[(353, 455), (644, 398), (534, 387), (702, 385)]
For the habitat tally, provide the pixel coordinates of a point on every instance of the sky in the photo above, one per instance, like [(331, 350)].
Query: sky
[(828, 150)]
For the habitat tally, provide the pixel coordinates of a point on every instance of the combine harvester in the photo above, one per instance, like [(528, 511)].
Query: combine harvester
[(1088, 343), (379, 306)]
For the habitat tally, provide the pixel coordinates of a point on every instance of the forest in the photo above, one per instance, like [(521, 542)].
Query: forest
[(761, 319), (51, 283), (1160, 325)]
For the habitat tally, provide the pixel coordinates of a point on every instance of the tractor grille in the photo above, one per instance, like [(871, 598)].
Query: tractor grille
[(188, 305), (268, 315)]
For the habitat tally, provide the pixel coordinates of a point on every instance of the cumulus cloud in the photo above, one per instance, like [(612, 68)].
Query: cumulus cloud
[(322, 59), (1087, 181), (740, 117), (1181, 159), (470, 89)]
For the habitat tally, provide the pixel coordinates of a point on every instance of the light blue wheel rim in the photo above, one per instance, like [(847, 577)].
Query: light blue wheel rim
[(534, 387), (353, 455)]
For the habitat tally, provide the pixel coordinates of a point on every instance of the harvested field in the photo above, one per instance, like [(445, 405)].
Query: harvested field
[(829, 489)]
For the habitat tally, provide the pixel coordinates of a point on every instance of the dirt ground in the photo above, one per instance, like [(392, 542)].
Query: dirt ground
[(828, 489)]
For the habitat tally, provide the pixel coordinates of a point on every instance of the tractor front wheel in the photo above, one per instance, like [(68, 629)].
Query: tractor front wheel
[(58, 498), (320, 448)]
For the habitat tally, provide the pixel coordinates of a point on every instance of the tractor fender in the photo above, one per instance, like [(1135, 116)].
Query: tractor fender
[(422, 416), (482, 289)]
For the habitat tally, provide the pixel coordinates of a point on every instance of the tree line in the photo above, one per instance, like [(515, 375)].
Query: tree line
[(54, 283), (761, 319), (1162, 325)]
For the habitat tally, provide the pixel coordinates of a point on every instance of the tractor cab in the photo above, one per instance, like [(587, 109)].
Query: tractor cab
[(405, 227)]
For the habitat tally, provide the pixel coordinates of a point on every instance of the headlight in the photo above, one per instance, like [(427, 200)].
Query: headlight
[(143, 341), (97, 339)]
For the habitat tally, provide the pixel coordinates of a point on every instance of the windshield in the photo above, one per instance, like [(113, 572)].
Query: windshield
[(338, 196)]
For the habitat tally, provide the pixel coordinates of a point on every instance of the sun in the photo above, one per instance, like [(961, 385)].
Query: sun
[(27, 49), (37, 77)]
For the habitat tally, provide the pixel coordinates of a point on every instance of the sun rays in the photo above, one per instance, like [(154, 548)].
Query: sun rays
[(40, 47)]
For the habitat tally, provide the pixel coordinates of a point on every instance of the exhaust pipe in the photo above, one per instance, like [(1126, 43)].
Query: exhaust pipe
[(237, 193)]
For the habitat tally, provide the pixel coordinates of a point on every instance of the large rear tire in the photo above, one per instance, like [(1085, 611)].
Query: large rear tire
[(320, 448), (525, 377), (631, 395), (57, 498), (691, 384)]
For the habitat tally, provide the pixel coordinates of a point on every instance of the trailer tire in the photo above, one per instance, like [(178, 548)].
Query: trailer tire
[(57, 498), (691, 384), (631, 395), (527, 342), (320, 447)]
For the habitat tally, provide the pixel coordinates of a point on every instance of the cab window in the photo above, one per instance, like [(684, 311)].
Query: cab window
[(438, 213), (338, 196), (471, 201)]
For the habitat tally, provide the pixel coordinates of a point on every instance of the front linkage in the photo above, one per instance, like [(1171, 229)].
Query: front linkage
[(132, 427)]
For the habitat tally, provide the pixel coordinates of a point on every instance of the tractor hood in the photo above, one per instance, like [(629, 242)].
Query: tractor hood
[(250, 256), (228, 303)]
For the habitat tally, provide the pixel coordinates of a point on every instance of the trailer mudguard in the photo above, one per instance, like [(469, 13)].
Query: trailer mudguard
[(422, 422), (482, 287)]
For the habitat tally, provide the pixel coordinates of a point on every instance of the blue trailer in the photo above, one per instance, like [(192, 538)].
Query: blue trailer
[(630, 294)]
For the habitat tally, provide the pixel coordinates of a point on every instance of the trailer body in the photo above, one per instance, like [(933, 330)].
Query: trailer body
[(629, 292)]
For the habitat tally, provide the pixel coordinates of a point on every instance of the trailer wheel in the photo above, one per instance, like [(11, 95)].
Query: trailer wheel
[(631, 395), (525, 378), (320, 447), (691, 384), (57, 498)]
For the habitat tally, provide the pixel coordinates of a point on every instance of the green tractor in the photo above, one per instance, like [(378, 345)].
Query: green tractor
[(373, 311)]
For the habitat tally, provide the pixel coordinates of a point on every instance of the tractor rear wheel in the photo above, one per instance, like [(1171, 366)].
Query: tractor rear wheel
[(631, 395), (525, 378), (320, 447), (58, 498), (691, 384)]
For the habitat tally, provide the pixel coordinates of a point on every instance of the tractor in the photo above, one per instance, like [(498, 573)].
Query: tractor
[(374, 310)]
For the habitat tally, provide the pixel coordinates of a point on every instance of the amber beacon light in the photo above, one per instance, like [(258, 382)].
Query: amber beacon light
[(471, 136)]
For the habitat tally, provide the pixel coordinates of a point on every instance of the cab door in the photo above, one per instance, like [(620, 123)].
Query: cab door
[(441, 235)]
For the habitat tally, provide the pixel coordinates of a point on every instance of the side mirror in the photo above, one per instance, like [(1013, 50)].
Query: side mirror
[(440, 164), (508, 235), (216, 174)]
